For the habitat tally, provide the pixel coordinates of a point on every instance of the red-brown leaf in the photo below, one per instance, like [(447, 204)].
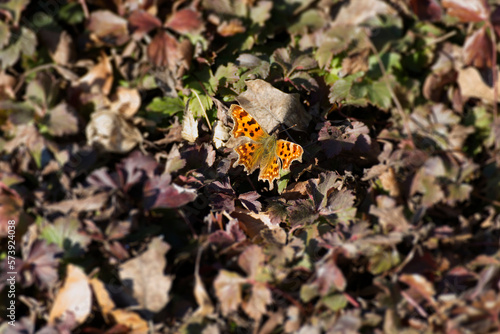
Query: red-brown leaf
[(163, 50), (426, 9), (185, 21), (478, 49), (141, 22)]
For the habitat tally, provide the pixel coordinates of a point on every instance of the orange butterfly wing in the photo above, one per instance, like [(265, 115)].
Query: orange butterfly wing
[(246, 125)]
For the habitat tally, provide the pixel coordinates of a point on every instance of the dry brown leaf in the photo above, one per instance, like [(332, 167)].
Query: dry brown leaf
[(162, 51), (271, 107), (420, 284), (228, 289), (139, 272), (205, 306), (230, 28), (358, 11), (111, 132), (100, 78), (60, 45), (91, 203), (107, 28), (74, 296), (260, 297), (132, 320), (185, 21), (126, 101), (221, 134), (189, 126), (7, 83), (389, 182), (478, 49), (472, 85), (103, 299)]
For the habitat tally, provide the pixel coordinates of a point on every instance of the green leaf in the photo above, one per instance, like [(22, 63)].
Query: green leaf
[(341, 89), (71, 13), (4, 34), (24, 44), (64, 232), (166, 105), (379, 94), (383, 260), (308, 292), (15, 7)]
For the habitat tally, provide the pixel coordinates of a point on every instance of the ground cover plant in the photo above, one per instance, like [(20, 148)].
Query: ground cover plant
[(132, 199)]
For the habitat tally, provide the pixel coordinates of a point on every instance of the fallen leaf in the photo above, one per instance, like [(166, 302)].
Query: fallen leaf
[(108, 28), (260, 297), (420, 284), (74, 296), (141, 23), (271, 107), (467, 11), (472, 85), (111, 132), (228, 289), (126, 101), (185, 21), (189, 126), (138, 274)]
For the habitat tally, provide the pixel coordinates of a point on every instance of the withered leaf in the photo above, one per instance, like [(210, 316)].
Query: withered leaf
[(467, 11), (108, 28), (186, 20), (228, 290), (74, 296), (142, 22), (260, 297), (478, 49), (271, 107)]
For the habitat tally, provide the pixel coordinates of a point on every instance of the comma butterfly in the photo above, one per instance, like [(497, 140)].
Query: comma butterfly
[(263, 150)]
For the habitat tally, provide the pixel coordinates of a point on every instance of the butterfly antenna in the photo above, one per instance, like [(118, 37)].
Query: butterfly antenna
[(285, 130)]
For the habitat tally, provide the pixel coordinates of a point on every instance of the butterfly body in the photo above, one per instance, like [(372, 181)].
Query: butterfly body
[(262, 150)]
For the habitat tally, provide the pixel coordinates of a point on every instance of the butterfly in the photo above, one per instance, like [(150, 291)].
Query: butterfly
[(263, 151)]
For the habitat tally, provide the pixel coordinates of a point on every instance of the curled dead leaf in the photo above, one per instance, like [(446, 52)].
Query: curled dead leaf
[(126, 101), (231, 28)]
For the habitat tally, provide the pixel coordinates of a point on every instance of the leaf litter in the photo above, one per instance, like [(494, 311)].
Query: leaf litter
[(117, 167)]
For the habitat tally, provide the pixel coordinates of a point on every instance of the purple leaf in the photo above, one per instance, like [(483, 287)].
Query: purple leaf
[(249, 201)]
